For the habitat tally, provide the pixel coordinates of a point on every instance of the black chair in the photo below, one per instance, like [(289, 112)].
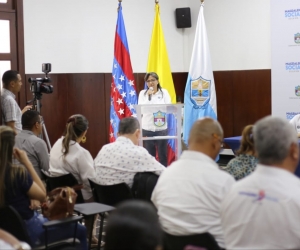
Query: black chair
[(11, 221), (143, 185), (65, 180), (110, 195), (205, 240)]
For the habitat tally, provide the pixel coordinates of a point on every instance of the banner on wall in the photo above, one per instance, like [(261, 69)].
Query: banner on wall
[(123, 90), (285, 46)]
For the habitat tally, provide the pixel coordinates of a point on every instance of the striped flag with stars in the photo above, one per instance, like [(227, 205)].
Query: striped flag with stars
[(123, 90)]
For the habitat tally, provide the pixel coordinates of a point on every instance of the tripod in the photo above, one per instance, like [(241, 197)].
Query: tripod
[(37, 104)]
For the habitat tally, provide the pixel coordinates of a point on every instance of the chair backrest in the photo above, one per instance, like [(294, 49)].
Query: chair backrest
[(61, 181), (11, 221), (110, 195), (143, 185), (205, 240)]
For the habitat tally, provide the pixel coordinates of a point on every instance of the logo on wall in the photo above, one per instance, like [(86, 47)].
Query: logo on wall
[(290, 115), (292, 14), (297, 38), (200, 91), (297, 90), (292, 66)]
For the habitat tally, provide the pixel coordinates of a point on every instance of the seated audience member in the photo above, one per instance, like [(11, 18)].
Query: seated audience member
[(133, 226), (119, 161), (295, 121), (67, 156), (20, 184), (261, 211), (188, 194), (29, 141), (245, 162)]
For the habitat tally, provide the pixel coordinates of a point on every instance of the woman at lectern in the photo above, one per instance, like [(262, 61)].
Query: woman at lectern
[(246, 161), (155, 123)]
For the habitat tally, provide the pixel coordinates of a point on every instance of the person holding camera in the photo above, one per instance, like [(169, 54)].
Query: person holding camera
[(11, 112)]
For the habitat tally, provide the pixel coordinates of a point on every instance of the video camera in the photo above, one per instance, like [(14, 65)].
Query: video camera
[(38, 85)]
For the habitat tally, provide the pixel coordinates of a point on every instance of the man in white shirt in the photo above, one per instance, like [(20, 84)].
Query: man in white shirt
[(188, 194), (262, 210), (119, 161)]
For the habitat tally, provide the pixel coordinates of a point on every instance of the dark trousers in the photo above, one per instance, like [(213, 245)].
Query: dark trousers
[(159, 145), (204, 240)]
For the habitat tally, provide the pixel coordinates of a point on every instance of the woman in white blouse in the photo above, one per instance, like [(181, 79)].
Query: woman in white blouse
[(67, 156), (155, 123)]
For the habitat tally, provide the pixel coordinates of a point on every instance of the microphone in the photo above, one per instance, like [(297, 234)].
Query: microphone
[(149, 96)]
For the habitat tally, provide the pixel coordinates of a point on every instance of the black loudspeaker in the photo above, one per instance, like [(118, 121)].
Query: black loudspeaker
[(183, 18)]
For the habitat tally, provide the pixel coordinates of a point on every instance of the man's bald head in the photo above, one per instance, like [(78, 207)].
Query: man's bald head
[(203, 129)]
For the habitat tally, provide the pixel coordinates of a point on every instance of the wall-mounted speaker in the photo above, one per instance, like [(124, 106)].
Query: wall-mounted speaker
[(183, 18)]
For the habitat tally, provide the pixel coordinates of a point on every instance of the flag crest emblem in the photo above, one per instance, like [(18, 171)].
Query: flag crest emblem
[(159, 118), (200, 91)]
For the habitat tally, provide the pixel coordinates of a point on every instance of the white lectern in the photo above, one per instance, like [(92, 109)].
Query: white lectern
[(160, 116)]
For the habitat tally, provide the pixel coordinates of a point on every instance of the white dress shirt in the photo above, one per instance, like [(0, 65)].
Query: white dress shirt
[(262, 211), (188, 196), (119, 161), (295, 121), (78, 162), (160, 97)]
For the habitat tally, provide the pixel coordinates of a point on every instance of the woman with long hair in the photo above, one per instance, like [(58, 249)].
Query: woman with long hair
[(155, 125), (245, 161), (20, 184), (67, 156)]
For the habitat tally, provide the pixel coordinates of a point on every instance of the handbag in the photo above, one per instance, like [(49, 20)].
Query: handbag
[(59, 203)]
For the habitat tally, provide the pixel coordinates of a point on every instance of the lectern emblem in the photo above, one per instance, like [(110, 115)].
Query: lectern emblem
[(159, 118)]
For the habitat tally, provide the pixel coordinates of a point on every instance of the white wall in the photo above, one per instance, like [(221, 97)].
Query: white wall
[(77, 36)]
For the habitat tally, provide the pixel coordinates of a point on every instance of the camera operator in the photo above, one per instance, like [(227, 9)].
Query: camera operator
[(11, 112)]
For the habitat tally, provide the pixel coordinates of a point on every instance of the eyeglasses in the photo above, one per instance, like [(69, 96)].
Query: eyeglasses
[(218, 138), (152, 80)]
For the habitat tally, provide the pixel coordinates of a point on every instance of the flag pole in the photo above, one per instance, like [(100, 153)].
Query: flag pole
[(120, 1)]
